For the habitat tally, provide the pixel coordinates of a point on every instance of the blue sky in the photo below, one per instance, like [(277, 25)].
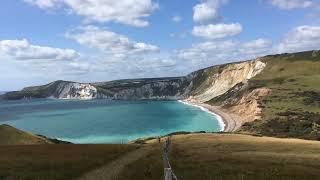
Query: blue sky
[(100, 40)]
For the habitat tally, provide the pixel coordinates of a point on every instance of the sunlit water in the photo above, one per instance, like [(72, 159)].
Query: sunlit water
[(102, 121)]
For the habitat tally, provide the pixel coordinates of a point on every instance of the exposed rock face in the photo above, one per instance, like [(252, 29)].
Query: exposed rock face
[(232, 74), (77, 91), (242, 101)]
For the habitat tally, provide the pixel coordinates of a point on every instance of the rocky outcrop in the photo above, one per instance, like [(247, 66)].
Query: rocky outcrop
[(76, 91)]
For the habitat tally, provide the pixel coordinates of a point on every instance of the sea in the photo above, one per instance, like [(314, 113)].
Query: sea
[(105, 121)]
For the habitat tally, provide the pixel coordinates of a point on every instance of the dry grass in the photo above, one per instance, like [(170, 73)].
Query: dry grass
[(232, 157), (12, 136), (56, 162), (194, 156)]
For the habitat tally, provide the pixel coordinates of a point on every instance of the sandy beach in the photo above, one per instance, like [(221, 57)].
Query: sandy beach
[(231, 122)]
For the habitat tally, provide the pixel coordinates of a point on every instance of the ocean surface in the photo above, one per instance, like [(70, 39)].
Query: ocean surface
[(102, 121)]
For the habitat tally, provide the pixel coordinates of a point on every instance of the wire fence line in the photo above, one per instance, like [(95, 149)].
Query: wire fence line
[(168, 171)]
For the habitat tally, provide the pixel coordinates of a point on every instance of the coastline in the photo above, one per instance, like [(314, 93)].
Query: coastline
[(228, 122)]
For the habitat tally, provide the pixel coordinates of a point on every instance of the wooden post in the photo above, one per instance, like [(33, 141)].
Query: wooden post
[(167, 174)]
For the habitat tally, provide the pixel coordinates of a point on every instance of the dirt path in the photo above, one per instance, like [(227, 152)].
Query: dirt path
[(110, 171)]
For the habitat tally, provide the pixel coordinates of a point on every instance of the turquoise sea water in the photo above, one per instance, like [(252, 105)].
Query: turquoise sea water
[(102, 121)]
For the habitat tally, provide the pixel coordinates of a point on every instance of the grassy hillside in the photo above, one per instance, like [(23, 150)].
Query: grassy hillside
[(12, 136), (227, 156), (56, 162), (293, 108), (193, 156)]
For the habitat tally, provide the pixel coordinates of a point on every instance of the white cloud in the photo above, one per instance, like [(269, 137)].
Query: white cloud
[(218, 52), (258, 46), (291, 4), (119, 46), (216, 31), (130, 12), (43, 4), (301, 38), (207, 11), (23, 50), (176, 18)]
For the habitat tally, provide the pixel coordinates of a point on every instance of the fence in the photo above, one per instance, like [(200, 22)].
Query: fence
[(168, 172)]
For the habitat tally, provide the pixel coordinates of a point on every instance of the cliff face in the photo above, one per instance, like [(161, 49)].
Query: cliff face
[(202, 86), (57, 89), (137, 89), (76, 91), (242, 100), (219, 80)]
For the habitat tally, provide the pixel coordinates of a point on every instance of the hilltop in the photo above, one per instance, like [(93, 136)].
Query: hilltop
[(12, 136)]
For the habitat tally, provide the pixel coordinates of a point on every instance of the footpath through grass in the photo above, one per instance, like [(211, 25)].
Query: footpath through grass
[(231, 157), (56, 162)]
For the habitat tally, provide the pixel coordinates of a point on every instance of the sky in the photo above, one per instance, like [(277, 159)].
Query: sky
[(101, 40)]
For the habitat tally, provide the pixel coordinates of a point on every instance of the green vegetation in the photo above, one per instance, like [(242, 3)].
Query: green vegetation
[(56, 162), (292, 110)]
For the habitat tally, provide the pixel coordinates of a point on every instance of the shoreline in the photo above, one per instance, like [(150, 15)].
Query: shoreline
[(227, 121), (220, 120)]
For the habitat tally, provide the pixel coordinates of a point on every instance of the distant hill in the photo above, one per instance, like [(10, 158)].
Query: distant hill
[(12, 136)]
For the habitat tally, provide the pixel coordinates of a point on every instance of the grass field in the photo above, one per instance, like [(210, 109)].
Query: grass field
[(226, 156), (55, 162), (193, 156)]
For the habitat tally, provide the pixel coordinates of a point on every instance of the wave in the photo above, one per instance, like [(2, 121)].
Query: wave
[(217, 117)]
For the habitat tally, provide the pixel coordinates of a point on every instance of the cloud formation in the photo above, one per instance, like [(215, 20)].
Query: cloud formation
[(23, 50), (301, 38), (207, 11), (110, 42), (129, 12), (291, 4), (213, 52), (217, 31)]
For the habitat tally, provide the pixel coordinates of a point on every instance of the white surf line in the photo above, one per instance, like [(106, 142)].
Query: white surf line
[(218, 117)]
